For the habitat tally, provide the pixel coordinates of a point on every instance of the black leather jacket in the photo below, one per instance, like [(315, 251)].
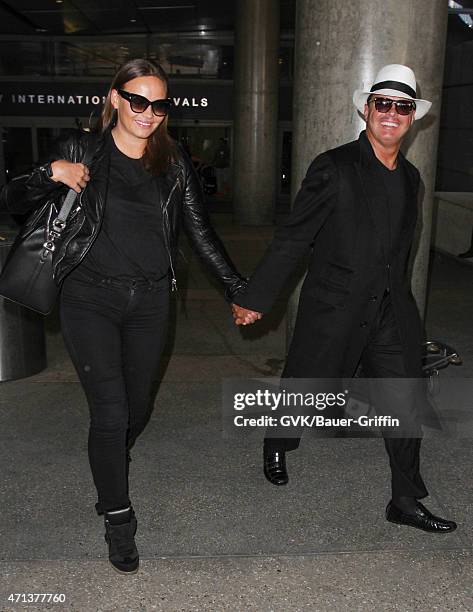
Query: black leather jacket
[(180, 198)]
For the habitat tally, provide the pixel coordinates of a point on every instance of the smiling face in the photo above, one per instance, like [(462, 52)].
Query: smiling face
[(138, 126), (387, 129)]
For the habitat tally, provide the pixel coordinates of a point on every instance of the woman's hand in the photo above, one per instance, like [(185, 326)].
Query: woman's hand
[(244, 316), (75, 176)]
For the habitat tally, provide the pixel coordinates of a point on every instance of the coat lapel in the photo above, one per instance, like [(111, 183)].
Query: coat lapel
[(410, 213)]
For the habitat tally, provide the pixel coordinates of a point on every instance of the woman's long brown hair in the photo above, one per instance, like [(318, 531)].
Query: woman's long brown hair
[(160, 149)]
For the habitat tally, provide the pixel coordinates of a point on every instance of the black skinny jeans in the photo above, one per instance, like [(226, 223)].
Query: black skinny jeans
[(115, 334)]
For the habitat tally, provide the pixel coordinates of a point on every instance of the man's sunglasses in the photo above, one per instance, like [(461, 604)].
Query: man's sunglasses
[(403, 107), (139, 104)]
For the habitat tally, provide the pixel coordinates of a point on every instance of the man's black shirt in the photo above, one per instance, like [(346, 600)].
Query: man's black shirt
[(395, 187)]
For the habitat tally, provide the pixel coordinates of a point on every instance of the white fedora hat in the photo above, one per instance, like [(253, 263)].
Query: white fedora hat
[(394, 80)]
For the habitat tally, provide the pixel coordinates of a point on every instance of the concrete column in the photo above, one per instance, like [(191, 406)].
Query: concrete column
[(256, 82), (340, 47)]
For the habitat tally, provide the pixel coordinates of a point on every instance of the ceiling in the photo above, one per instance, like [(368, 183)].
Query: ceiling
[(93, 37), (92, 17), (188, 37), (104, 17)]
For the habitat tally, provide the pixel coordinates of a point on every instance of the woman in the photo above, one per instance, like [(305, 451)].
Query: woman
[(117, 263)]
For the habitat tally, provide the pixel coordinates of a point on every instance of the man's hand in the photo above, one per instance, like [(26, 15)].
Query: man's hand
[(73, 175), (243, 316)]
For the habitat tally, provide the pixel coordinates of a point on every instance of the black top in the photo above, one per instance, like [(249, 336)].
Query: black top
[(396, 197), (130, 243)]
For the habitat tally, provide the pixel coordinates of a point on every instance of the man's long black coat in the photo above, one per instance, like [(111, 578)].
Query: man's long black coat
[(339, 213)]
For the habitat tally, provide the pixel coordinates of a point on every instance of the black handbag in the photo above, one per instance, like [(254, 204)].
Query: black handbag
[(27, 277)]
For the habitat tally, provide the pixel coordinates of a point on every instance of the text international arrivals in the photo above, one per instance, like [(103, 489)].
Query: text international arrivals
[(86, 99)]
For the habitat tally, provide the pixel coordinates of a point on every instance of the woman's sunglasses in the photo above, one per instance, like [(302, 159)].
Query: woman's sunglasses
[(139, 104), (403, 107)]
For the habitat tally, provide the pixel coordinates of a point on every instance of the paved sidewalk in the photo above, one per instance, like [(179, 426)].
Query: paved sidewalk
[(213, 533)]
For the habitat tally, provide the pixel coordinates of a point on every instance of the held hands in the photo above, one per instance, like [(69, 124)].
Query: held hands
[(243, 316), (75, 176)]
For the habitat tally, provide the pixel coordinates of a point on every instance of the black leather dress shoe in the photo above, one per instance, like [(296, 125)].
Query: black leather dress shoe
[(420, 518), (275, 467)]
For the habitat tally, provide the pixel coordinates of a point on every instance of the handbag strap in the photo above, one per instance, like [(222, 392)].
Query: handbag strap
[(59, 223), (72, 194)]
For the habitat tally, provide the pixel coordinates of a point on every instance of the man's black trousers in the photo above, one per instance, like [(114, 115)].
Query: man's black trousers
[(382, 358)]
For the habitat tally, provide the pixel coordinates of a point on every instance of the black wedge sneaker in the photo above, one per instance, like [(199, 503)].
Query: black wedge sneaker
[(120, 530)]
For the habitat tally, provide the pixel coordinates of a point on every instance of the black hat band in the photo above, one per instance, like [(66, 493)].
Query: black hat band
[(395, 85)]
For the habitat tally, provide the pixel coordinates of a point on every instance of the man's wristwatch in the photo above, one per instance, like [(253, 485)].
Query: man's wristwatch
[(47, 170)]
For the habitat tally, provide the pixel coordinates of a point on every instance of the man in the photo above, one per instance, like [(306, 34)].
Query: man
[(357, 209)]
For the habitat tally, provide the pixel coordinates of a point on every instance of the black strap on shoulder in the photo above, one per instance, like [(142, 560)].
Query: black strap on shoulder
[(91, 147)]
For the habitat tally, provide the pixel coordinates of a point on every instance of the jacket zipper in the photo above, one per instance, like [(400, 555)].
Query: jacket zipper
[(167, 233)]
